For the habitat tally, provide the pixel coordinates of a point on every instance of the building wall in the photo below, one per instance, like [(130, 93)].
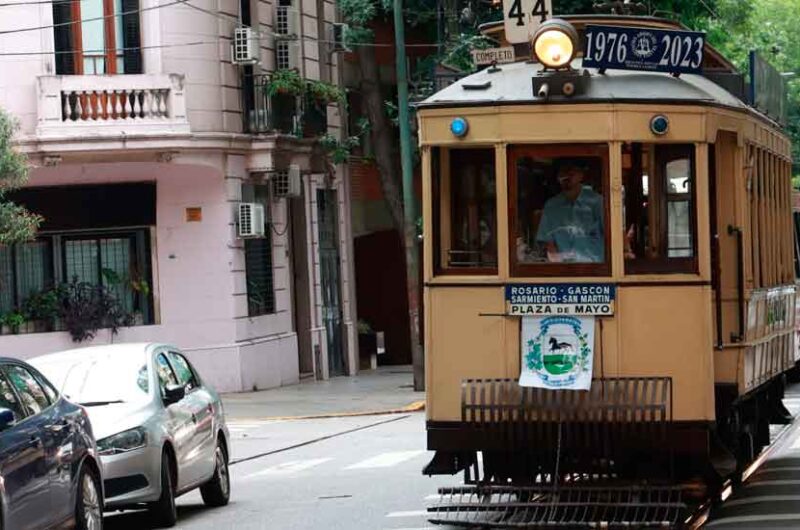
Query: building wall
[(199, 281)]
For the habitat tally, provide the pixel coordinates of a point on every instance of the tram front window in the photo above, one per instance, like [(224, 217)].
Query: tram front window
[(465, 218), (561, 205)]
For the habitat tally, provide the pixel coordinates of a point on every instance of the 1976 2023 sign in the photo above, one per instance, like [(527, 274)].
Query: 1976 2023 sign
[(644, 49)]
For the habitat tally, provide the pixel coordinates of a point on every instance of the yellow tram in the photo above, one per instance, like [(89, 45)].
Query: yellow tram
[(648, 217)]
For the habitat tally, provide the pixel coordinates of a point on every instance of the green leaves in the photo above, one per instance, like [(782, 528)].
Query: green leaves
[(326, 92), (288, 82), (16, 223), (358, 13)]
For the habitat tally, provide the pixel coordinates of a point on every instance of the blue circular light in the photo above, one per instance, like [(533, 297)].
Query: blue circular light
[(459, 127), (659, 125)]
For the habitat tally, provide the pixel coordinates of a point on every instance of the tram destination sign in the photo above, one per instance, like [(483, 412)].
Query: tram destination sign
[(654, 50), (584, 299)]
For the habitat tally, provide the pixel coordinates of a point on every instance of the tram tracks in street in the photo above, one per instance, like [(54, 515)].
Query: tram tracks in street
[(788, 434)]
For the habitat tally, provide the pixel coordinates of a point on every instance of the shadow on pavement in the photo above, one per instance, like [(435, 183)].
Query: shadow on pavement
[(140, 519)]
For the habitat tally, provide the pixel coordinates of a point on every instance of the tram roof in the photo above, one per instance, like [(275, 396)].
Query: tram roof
[(512, 85)]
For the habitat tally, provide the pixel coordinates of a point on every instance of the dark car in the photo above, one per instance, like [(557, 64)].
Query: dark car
[(49, 470)]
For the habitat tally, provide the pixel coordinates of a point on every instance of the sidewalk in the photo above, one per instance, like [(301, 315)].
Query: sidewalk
[(385, 390)]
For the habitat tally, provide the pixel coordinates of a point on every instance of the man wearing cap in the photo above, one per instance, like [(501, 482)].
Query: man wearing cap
[(571, 228)]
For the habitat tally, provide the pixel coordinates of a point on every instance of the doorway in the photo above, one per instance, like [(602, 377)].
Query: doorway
[(330, 273)]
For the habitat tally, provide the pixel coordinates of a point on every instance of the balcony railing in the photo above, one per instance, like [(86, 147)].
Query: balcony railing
[(296, 115), (108, 105)]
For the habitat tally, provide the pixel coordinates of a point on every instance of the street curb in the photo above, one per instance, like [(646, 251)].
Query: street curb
[(416, 406)]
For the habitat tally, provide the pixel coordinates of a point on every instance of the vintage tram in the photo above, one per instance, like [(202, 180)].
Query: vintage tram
[(633, 224)]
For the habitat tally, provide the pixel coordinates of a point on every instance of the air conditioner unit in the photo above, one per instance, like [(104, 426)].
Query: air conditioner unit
[(287, 183), (245, 49), (251, 220), (339, 38)]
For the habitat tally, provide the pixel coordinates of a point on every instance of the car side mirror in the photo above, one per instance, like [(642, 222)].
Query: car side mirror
[(7, 418), (173, 394)]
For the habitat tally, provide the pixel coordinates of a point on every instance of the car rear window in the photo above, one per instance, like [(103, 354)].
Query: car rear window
[(100, 379)]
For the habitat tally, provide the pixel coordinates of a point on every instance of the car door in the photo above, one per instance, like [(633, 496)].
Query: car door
[(201, 464), (25, 459), (178, 419), (58, 437)]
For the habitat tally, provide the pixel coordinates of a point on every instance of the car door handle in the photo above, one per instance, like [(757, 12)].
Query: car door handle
[(34, 442), (58, 426), (194, 417)]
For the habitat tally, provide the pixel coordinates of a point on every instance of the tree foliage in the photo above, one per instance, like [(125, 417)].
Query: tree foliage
[(16, 223)]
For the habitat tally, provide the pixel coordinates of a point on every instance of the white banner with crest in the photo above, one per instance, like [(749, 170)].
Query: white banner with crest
[(557, 352)]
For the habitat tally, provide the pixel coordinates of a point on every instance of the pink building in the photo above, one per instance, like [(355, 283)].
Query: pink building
[(145, 139)]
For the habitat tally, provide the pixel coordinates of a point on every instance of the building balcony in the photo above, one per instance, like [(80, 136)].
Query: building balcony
[(287, 114), (111, 106)]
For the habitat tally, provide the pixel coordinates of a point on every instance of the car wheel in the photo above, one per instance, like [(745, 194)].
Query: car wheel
[(163, 511), (88, 505), (217, 491)]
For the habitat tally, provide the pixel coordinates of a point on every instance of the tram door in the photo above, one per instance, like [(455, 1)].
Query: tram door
[(722, 169), (330, 273)]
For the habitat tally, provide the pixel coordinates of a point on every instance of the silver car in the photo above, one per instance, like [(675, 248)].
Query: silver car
[(160, 430)]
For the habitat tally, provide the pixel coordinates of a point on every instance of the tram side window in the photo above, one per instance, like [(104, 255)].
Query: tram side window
[(465, 217), (560, 215), (659, 208)]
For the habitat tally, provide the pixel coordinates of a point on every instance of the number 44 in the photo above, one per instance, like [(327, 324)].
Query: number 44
[(539, 10)]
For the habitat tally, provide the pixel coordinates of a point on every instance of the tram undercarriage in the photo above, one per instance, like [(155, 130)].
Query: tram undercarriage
[(540, 458)]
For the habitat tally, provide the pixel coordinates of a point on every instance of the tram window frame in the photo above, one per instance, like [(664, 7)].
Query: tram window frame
[(441, 174), (662, 155), (556, 151)]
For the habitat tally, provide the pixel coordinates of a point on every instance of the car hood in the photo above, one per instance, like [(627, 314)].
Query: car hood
[(114, 418)]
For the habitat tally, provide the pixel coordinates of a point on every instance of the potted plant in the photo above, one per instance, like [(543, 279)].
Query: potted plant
[(12, 321), (285, 82), (324, 93), (85, 308), (42, 309)]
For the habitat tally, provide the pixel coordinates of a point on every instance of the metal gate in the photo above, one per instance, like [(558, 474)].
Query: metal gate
[(328, 221)]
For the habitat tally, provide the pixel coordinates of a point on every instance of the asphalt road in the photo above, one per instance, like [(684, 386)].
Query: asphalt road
[(357, 473)]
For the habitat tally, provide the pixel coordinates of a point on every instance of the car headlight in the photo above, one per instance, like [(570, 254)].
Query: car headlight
[(122, 442)]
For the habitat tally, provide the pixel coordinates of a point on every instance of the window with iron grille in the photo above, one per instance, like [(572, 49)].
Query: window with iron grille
[(258, 258), (282, 58), (280, 184), (119, 260), (25, 269)]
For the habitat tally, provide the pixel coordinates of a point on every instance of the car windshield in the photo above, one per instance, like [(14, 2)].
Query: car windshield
[(100, 380)]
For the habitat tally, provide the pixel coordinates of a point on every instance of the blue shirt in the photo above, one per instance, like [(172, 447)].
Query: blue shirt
[(576, 227)]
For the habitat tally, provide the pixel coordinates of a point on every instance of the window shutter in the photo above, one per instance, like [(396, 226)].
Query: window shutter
[(131, 38), (65, 62)]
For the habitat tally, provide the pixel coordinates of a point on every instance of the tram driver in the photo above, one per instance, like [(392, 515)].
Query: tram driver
[(571, 227)]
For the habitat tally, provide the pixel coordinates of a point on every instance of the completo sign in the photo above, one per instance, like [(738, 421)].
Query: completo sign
[(493, 55), (584, 299), (655, 50)]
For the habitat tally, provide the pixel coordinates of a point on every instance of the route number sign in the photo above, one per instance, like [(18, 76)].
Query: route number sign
[(655, 50), (523, 17)]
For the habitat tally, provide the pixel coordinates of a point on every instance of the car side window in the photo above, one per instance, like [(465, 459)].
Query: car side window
[(165, 374), (29, 390), (8, 399), (52, 395), (183, 370)]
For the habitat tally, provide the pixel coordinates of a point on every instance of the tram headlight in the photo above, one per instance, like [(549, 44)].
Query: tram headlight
[(555, 43)]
